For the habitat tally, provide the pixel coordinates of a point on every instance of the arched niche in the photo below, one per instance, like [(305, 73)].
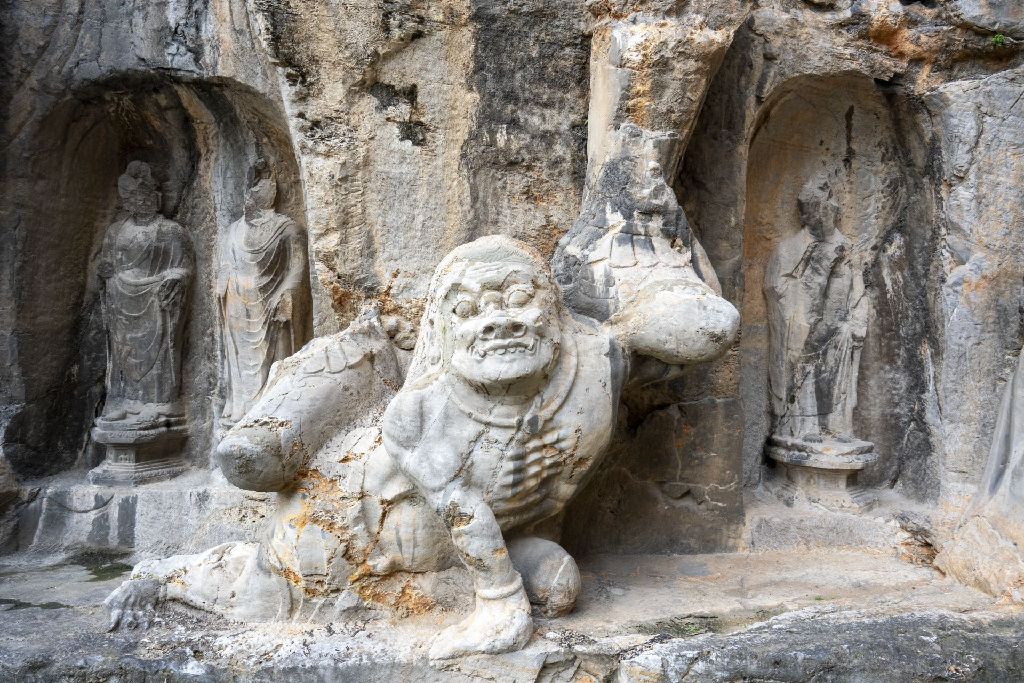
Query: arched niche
[(846, 124), (200, 137)]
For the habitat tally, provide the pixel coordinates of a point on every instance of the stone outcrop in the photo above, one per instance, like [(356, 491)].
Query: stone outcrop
[(985, 550)]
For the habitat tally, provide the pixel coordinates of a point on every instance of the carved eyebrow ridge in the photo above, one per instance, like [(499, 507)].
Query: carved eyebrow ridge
[(476, 272)]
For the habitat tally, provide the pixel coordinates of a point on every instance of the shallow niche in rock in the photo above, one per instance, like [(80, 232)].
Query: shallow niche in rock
[(843, 132), (200, 140)]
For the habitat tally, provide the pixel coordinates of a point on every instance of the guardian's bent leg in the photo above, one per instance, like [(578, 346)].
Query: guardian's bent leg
[(501, 621)]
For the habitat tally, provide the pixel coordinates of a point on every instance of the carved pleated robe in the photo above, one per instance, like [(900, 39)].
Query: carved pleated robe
[(258, 260), (812, 360), (144, 337)]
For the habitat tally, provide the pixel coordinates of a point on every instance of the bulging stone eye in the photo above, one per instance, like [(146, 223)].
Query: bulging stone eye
[(518, 297), (464, 308), (490, 299)]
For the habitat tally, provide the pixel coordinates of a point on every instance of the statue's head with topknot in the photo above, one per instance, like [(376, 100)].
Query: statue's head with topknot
[(139, 190)]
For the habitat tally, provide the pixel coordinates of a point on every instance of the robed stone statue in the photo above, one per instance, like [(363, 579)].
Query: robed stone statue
[(145, 267), (817, 321), (263, 299)]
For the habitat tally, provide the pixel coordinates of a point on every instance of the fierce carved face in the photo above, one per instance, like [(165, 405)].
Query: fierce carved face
[(504, 325)]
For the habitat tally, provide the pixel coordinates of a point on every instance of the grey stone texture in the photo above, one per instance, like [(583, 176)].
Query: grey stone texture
[(985, 550), (838, 615), (625, 142)]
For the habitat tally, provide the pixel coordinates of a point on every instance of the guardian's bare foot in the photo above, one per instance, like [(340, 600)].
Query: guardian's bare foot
[(133, 603), (497, 625)]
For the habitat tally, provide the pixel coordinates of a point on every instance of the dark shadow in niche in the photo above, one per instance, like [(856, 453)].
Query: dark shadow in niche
[(846, 124), (200, 137)]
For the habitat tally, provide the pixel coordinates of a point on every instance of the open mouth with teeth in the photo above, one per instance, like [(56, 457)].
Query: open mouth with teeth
[(505, 347)]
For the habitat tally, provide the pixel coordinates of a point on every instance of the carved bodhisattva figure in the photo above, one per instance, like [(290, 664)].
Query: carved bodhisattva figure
[(146, 268), (817, 321), (507, 406), (263, 302)]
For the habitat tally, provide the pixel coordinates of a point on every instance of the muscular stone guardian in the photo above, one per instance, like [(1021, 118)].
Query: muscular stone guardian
[(507, 408)]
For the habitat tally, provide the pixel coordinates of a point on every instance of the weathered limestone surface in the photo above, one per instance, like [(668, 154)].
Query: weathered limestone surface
[(979, 123), (69, 516), (776, 616), (1004, 16), (985, 550), (416, 133), (630, 145)]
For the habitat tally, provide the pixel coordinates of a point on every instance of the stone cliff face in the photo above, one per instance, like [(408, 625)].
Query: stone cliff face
[(399, 130)]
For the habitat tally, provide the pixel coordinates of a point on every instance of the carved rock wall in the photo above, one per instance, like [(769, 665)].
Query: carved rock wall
[(781, 100), (199, 137), (978, 129), (154, 90), (401, 129)]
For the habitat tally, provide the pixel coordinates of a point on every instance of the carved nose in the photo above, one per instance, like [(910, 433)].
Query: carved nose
[(502, 328)]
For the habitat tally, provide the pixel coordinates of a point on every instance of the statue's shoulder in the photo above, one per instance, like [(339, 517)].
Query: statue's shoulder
[(589, 335), (118, 224), (788, 251), (168, 223), (289, 224), (409, 411)]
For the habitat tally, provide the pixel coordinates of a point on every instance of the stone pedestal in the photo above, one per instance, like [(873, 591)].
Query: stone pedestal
[(139, 455), (822, 471)]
